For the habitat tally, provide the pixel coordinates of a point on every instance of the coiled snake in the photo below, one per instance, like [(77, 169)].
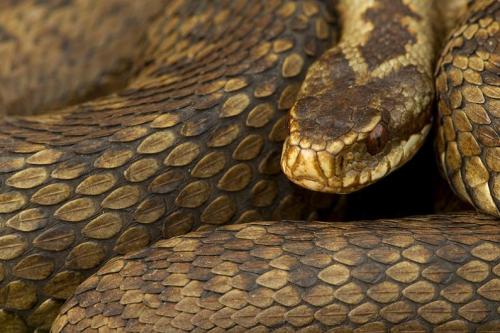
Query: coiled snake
[(194, 141)]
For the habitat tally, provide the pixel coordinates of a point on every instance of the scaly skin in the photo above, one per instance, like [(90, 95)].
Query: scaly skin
[(364, 108), (468, 79), (193, 136), (420, 274), (194, 141), (59, 52)]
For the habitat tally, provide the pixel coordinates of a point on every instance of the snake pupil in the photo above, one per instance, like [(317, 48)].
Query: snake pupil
[(377, 139)]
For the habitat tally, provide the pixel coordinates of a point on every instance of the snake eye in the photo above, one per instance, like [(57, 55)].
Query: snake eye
[(377, 139)]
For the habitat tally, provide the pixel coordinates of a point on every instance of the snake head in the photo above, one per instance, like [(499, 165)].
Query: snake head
[(348, 131)]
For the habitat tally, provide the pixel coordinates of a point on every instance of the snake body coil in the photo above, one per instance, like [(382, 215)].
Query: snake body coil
[(468, 85), (194, 141), (51, 57), (422, 274)]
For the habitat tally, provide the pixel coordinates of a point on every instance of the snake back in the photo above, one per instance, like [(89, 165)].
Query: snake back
[(468, 80), (194, 141), (421, 274)]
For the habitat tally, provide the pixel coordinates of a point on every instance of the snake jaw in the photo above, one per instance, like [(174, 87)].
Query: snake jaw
[(338, 168)]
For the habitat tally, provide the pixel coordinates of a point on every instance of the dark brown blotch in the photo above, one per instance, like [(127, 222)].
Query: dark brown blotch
[(389, 36)]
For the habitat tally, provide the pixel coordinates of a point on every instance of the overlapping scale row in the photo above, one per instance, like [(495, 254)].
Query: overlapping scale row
[(468, 83), (193, 142), (421, 274)]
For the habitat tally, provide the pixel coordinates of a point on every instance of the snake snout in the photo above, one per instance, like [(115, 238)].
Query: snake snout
[(347, 165), (328, 169)]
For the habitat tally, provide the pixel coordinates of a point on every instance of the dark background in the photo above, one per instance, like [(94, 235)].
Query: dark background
[(417, 188)]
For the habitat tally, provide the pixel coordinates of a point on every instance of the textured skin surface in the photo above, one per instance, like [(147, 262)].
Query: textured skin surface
[(58, 52), (194, 141), (468, 81), (365, 106), (421, 274)]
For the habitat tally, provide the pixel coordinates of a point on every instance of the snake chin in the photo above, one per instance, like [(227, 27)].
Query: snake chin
[(337, 167)]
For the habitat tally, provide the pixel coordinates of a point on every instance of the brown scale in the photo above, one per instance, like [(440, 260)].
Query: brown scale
[(469, 94), (194, 141), (422, 274)]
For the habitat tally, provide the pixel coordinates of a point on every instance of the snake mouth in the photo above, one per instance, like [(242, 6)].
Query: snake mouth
[(349, 169)]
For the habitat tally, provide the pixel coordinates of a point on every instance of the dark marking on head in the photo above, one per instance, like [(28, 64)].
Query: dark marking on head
[(377, 139), (341, 69), (332, 111), (389, 36), (317, 107)]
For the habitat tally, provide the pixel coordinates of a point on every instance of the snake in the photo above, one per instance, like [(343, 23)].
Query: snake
[(420, 274), (51, 59), (468, 139), (194, 140)]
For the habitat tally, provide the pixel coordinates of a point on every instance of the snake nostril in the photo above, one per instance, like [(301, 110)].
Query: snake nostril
[(339, 164)]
